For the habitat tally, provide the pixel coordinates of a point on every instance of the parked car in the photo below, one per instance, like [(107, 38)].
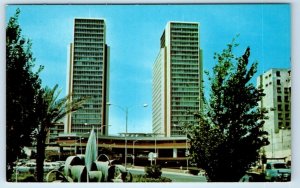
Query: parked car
[(30, 166), (48, 166), (277, 171), (253, 177)]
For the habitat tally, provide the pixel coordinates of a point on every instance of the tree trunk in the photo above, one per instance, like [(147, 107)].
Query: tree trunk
[(40, 156)]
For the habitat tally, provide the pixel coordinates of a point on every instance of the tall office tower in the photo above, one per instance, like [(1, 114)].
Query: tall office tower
[(88, 73), (276, 84), (177, 79)]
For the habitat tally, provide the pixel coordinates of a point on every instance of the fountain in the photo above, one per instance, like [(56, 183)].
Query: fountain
[(88, 168)]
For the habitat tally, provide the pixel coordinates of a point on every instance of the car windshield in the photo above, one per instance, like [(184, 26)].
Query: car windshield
[(280, 165)]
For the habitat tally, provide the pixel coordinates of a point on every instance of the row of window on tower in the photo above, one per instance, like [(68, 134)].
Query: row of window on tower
[(184, 43), (186, 64), (92, 30), (88, 111), (176, 74), (182, 25), (96, 36), (87, 77), (88, 25), (184, 48), (184, 33), (184, 53), (190, 85), (88, 41), (178, 99), (83, 44), (87, 49), (88, 72), (87, 87), (88, 54), (86, 82), (88, 64), (91, 59)]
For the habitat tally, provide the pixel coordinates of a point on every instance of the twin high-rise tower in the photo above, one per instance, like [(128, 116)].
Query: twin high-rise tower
[(88, 76), (177, 77)]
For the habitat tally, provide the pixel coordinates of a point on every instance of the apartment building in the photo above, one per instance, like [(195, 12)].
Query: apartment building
[(177, 79), (276, 84), (88, 76)]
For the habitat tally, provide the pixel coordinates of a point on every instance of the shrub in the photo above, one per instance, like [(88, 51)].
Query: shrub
[(153, 171), (144, 178)]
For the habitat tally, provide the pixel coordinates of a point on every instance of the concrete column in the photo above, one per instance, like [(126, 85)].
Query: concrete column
[(174, 152)]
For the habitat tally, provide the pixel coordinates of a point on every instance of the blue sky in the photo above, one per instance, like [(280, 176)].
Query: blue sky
[(133, 33)]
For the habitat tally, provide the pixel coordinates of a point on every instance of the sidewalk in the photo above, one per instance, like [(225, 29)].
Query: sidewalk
[(164, 170)]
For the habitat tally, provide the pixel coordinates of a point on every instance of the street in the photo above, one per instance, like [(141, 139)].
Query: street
[(175, 177)]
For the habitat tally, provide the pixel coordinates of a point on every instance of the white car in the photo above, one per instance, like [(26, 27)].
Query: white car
[(48, 166), (30, 166)]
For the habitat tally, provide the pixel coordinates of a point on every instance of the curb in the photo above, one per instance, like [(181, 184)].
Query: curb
[(164, 171)]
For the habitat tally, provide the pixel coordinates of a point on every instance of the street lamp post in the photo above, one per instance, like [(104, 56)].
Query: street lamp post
[(75, 144), (155, 148), (80, 145), (282, 135), (133, 156), (187, 154), (186, 147), (272, 140), (125, 109), (155, 155)]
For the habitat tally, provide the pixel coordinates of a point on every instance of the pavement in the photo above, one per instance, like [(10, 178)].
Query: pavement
[(176, 175), (164, 170)]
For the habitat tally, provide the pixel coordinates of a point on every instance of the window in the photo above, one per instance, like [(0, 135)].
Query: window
[(286, 99), (286, 107), (278, 89), (287, 116), (286, 90), (278, 73), (279, 107), (278, 82), (279, 98)]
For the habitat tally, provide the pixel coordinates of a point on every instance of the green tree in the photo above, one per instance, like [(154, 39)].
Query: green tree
[(227, 139), (52, 109), (22, 86)]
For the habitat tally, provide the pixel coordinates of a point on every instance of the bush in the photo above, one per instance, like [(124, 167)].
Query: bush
[(144, 178), (194, 171), (153, 171)]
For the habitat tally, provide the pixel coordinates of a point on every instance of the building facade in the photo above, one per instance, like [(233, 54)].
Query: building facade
[(88, 76), (177, 79), (276, 84), (54, 132), (171, 151)]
